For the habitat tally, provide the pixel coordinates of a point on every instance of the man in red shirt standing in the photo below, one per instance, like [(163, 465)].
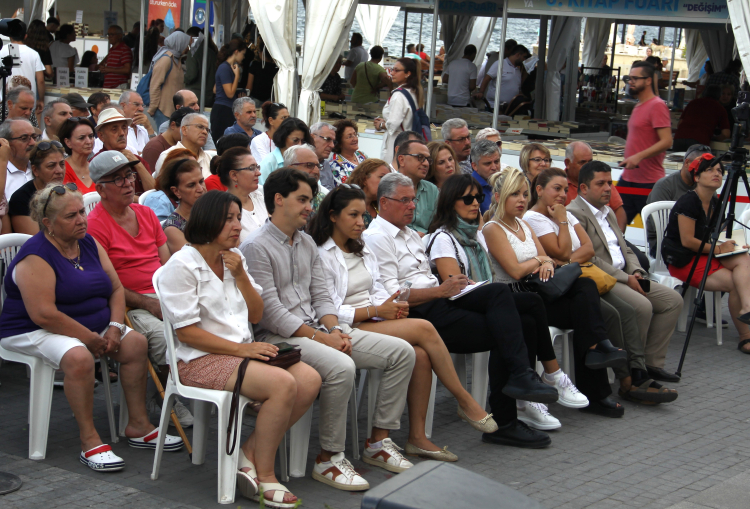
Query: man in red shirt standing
[(649, 136), (116, 66)]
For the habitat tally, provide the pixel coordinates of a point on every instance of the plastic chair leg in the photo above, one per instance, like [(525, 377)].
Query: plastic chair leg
[(104, 365), (284, 458), (708, 296), (360, 390), (166, 410), (124, 415), (719, 326), (567, 355), (40, 407), (480, 377), (459, 361), (354, 427), (201, 413), (375, 375), (430, 408), (299, 441), (227, 464)]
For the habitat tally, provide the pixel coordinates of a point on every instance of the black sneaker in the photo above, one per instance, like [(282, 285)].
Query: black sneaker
[(518, 434), (527, 386)]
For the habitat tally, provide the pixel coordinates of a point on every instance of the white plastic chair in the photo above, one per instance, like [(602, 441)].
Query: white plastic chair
[(142, 198), (659, 212), (90, 200)]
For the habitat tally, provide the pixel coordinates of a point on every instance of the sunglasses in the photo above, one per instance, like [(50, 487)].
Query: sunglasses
[(469, 198), (59, 190), (48, 144)]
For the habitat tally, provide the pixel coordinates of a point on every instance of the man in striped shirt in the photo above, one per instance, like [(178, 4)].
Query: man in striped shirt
[(117, 64)]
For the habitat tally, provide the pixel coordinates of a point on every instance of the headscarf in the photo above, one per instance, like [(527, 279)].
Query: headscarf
[(479, 264), (175, 43)]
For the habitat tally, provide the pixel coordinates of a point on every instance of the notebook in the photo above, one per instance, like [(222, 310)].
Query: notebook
[(469, 289), (739, 237)]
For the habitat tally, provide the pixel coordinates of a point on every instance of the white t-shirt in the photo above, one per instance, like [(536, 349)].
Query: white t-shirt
[(443, 247), (30, 63), (251, 220), (461, 71), (61, 52), (511, 80), (542, 225), (356, 55)]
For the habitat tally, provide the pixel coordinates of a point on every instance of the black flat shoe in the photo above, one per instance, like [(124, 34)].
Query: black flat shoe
[(606, 355), (606, 407), (661, 375), (518, 434), (527, 386)]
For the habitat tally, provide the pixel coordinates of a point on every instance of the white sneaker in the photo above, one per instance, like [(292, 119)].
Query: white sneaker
[(386, 456), (537, 416), (569, 395), (339, 473), (183, 415)]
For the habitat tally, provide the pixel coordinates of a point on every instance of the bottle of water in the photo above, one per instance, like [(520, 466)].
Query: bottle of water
[(403, 291)]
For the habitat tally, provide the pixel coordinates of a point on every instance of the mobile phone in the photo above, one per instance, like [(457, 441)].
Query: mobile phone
[(284, 347), (14, 52), (645, 284)]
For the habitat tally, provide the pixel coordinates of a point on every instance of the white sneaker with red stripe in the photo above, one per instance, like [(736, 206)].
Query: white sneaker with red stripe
[(149, 442), (339, 473), (386, 456), (102, 459)]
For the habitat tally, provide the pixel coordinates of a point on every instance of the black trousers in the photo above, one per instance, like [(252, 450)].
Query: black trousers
[(221, 118), (633, 203), (536, 335), (483, 320)]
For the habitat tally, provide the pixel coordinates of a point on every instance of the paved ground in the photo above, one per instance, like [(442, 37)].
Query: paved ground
[(692, 454)]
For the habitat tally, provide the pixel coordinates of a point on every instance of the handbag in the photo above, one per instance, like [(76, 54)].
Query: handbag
[(674, 253), (556, 286), (285, 359), (604, 282)]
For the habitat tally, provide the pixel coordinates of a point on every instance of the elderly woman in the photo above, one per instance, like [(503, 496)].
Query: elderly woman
[(47, 166), (77, 137), (534, 158), (65, 305), (167, 77), (346, 155), (292, 131), (182, 181), (443, 162), (210, 299), (239, 172)]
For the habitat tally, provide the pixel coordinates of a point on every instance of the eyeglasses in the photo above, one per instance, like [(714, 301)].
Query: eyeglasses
[(60, 190), (137, 105), (202, 127), (403, 201), (398, 70), (540, 160), (628, 79), (252, 167), (352, 136), (48, 144), (421, 158), (469, 198), (309, 166), (325, 138), (25, 138), (462, 139), (119, 181)]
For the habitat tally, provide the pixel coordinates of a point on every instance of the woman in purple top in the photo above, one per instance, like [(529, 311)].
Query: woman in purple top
[(65, 305)]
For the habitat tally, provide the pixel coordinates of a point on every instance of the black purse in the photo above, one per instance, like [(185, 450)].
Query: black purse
[(674, 253), (556, 287)]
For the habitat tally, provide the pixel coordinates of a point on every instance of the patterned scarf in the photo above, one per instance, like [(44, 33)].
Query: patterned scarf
[(479, 265)]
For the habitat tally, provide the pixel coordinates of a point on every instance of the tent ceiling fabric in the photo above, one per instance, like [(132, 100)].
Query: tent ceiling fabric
[(276, 20), (719, 43), (695, 54), (376, 21), (327, 23), (565, 32), (739, 13), (480, 37), (596, 35)]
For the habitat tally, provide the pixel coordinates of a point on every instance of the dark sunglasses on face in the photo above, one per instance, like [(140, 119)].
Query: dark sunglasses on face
[(60, 190), (469, 198)]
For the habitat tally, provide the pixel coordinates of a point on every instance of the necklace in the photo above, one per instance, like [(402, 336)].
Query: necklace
[(518, 226), (75, 262)]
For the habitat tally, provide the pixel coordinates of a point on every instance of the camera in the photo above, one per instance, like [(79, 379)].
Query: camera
[(6, 27)]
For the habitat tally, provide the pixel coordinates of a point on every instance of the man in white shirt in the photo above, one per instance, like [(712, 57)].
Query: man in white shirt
[(29, 65), (141, 130), (512, 77), (464, 324), (357, 55), (54, 114), (194, 131), (17, 139), (187, 99), (464, 79), (659, 308)]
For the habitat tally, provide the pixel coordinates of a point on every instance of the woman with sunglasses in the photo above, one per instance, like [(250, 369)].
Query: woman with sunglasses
[(443, 162), (534, 158), (182, 181), (292, 131), (77, 137), (345, 156), (238, 171), (367, 177), (273, 115), (351, 271), (688, 222), (66, 305), (397, 112), (47, 165)]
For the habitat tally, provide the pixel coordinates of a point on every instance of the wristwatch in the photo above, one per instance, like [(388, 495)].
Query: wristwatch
[(336, 327), (119, 326)]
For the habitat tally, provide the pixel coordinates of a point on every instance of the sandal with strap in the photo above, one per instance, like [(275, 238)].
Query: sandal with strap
[(278, 496), (649, 392), (247, 481), (743, 343)]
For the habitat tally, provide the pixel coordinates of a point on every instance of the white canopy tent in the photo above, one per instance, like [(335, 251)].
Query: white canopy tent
[(739, 12), (695, 54), (376, 21)]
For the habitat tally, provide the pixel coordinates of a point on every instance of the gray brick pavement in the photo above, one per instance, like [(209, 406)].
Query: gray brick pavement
[(692, 454)]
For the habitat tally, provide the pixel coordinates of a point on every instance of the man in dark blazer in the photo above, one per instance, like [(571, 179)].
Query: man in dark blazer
[(659, 308)]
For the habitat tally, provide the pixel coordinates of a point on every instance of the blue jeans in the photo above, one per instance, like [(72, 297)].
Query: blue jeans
[(160, 118)]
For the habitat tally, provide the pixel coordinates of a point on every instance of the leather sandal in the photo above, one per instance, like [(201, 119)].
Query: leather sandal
[(277, 501), (606, 407), (648, 392), (247, 481), (605, 355), (743, 343)]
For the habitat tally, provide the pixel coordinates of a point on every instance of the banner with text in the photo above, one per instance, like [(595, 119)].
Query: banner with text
[(706, 11), (167, 10)]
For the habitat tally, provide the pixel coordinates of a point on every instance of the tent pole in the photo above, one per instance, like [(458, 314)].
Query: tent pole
[(403, 46), (421, 22), (206, 35), (614, 44), (542, 54), (140, 40), (500, 63), (430, 85), (624, 29), (671, 66)]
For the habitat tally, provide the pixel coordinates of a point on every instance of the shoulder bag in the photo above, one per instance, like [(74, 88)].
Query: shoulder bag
[(455, 247), (604, 282), (556, 287)]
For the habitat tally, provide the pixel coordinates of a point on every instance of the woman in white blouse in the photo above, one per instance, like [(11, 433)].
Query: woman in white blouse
[(210, 299), (352, 274), (273, 115), (397, 114), (238, 170)]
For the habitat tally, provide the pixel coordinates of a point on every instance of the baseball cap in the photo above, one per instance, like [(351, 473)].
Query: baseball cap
[(77, 101), (108, 162)]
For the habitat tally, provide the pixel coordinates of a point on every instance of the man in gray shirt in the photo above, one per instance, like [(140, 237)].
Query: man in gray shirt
[(298, 309)]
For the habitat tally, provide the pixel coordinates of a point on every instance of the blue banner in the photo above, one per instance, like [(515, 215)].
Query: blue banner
[(706, 10)]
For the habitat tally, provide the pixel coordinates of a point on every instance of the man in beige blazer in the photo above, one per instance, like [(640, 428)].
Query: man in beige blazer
[(657, 311)]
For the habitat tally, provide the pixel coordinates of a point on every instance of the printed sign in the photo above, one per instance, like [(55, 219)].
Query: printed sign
[(82, 77), (79, 17), (63, 77)]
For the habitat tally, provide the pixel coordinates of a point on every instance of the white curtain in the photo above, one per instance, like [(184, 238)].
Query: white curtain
[(719, 43), (739, 15), (276, 20), (456, 32), (480, 37), (375, 21), (596, 35), (695, 54), (565, 32), (327, 23)]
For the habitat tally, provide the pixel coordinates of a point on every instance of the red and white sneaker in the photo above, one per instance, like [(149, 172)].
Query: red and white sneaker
[(149, 442), (102, 459), (386, 456), (339, 473)]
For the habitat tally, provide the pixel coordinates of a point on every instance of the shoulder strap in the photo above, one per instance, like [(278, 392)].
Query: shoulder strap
[(412, 105), (455, 248)]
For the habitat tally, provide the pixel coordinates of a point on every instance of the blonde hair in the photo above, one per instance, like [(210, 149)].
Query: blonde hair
[(36, 207), (504, 183)]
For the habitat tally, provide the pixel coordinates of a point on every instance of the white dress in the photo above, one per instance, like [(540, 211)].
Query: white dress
[(525, 250)]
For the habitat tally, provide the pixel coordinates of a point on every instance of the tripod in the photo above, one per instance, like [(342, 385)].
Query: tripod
[(728, 199), (6, 69)]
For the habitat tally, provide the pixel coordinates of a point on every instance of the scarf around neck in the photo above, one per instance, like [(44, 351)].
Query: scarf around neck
[(479, 264)]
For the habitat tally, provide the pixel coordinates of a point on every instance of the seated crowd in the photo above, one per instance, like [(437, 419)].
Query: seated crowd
[(295, 237)]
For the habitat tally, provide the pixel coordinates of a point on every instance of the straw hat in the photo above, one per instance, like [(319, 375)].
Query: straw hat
[(112, 115)]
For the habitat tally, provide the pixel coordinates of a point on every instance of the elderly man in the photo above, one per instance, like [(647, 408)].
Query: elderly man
[(483, 320), (78, 105), (167, 139), (456, 134), (20, 103), (414, 161), (116, 65), (140, 131), (324, 136), (659, 308), (136, 245), (21, 137), (245, 115), (112, 131), (54, 114), (304, 158), (194, 131), (187, 99), (485, 157)]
